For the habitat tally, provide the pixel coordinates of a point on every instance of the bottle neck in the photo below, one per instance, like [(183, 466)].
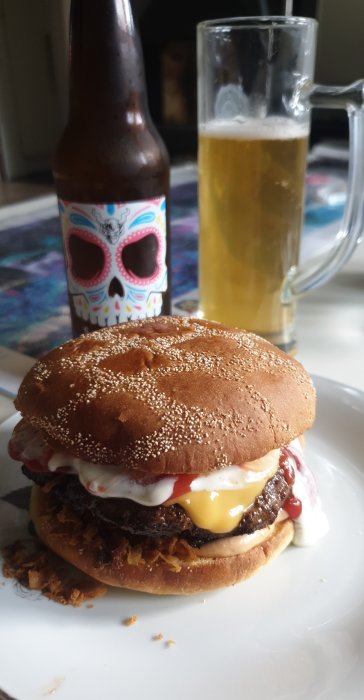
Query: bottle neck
[(106, 61)]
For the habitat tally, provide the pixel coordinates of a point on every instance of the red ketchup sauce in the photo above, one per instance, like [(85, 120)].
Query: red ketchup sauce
[(182, 485), (292, 505)]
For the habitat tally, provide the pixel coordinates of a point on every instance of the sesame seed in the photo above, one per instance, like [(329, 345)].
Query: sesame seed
[(86, 363)]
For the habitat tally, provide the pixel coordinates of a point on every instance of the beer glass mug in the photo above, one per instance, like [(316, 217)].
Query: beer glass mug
[(255, 92)]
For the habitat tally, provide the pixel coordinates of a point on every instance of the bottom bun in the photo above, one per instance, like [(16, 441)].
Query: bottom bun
[(67, 535)]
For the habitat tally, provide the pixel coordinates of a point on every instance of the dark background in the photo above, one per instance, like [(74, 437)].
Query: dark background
[(168, 34)]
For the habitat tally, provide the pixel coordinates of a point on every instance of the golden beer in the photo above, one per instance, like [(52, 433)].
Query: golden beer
[(251, 191)]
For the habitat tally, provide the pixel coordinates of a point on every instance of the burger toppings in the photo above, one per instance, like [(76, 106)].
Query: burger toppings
[(212, 503), (108, 481), (162, 521)]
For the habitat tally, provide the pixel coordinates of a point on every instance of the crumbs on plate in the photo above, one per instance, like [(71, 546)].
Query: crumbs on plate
[(130, 621), (170, 643), (157, 637), (37, 568)]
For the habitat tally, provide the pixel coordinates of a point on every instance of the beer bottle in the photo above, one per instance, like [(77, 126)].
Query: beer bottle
[(111, 173)]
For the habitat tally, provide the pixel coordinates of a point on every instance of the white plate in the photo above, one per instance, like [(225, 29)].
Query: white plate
[(295, 631)]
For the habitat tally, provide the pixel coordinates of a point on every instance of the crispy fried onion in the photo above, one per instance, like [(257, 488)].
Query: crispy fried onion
[(108, 544)]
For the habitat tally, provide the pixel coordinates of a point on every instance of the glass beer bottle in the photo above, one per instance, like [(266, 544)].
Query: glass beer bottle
[(111, 173)]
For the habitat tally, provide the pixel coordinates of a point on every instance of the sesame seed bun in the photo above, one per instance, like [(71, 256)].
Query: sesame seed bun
[(170, 395), (69, 538)]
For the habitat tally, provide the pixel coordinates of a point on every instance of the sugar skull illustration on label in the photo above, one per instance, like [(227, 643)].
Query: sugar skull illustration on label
[(115, 259)]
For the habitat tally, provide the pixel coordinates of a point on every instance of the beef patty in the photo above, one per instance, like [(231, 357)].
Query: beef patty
[(161, 521)]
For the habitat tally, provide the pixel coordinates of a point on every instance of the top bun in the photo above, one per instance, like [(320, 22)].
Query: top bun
[(168, 395)]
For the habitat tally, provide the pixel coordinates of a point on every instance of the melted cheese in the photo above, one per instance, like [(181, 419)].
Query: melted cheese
[(219, 511), (217, 501)]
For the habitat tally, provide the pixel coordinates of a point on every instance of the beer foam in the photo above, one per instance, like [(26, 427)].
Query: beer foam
[(272, 128)]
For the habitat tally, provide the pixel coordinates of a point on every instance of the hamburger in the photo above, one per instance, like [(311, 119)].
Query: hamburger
[(167, 454)]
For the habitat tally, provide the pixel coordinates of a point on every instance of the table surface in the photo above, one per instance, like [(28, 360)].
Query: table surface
[(330, 326), (330, 320)]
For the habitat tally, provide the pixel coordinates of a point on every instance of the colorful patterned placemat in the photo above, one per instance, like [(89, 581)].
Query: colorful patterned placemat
[(34, 313), (33, 293)]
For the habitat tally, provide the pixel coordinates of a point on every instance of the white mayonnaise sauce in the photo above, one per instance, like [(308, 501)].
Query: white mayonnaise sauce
[(106, 481), (312, 524)]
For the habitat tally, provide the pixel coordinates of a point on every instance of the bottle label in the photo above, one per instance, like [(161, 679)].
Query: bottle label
[(115, 259)]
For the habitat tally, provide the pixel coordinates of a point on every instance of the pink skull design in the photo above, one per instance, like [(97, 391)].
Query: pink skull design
[(116, 259)]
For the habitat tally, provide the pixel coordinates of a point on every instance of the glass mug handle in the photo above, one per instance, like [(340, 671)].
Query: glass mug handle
[(312, 274)]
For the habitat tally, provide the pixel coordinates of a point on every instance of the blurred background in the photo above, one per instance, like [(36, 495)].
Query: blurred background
[(33, 73)]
